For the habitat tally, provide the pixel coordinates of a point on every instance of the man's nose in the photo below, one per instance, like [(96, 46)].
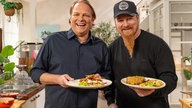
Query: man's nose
[(80, 17), (125, 23)]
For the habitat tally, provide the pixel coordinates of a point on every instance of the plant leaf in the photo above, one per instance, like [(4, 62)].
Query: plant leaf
[(7, 51), (1, 80), (9, 67), (187, 74)]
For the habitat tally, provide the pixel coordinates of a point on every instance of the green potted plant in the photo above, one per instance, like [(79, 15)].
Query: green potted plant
[(187, 60), (44, 34), (187, 72), (10, 7), (105, 31), (187, 69), (6, 65)]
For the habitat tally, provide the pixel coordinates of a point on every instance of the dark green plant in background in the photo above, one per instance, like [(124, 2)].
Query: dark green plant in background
[(105, 31), (187, 74), (187, 58), (187, 69), (8, 5), (44, 34)]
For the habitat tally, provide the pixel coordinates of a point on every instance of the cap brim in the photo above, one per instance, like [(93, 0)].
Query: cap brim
[(125, 12)]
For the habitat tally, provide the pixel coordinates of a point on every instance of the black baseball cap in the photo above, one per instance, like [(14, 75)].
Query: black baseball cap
[(125, 7)]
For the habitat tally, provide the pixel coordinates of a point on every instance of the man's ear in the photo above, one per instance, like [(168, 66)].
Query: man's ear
[(93, 22), (93, 19), (138, 16), (70, 20)]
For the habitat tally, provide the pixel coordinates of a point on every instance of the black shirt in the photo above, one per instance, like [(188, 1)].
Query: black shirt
[(151, 58), (62, 53)]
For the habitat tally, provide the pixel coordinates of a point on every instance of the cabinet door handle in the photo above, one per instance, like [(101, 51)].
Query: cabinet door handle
[(35, 98)]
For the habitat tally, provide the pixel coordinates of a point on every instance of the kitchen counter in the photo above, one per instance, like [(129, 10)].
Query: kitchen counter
[(32, 92), (18, 103), (186, 102), (24, 97)]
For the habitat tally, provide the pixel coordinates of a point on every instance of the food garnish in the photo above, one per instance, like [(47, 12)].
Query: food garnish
[(91, 80)]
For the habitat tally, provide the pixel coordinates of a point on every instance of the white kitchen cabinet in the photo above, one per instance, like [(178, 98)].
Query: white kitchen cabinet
[(36, 101)]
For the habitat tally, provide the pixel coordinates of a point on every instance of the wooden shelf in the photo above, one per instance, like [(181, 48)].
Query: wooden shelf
[(182, 12), (185, 42), (181, 27)]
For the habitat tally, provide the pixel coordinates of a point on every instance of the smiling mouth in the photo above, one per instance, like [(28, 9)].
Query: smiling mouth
[(81, 25), (128, 28)]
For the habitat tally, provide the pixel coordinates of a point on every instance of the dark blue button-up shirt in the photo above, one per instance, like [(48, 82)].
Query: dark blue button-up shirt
[(62, 53)]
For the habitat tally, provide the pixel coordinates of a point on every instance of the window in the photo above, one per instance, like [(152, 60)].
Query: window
[(10, 33)]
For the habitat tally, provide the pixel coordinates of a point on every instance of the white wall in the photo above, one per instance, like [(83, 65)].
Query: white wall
[(57, 12), (25, 28)]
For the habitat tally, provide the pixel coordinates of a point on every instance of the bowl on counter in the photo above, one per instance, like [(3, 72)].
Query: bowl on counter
[(9, 94), (6, 102)]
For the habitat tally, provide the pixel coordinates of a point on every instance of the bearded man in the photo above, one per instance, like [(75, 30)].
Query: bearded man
[(138, 53)]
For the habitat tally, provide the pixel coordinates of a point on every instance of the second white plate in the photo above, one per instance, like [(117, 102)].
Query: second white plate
[(123, 81)]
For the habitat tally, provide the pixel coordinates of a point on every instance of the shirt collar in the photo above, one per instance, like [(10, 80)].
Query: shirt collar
[(71, 34)]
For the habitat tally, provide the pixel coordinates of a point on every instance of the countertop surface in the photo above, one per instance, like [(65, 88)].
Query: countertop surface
[(19, 102), (186, 102)]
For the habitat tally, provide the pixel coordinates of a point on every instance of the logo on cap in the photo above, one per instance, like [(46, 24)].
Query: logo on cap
[(123, 6)]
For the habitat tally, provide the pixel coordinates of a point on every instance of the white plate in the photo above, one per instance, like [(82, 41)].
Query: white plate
[(74, 84), (123, 81)]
